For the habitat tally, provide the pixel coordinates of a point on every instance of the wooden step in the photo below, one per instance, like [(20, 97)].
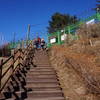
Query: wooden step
[(44, 94), (42, 61), (37, 94), (42, 88), (41, 91), (42, 76), (39, 69), (41, 80), (42, 67), (39, 85), (41, 64), (41, 72), (47, 91), (47, 98), (30, 78), (31, 82)]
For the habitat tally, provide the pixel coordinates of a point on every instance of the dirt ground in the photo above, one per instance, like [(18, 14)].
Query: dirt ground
[(78, 69)]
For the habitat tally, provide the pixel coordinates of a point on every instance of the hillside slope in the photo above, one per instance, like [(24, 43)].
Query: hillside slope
[(78, 69)]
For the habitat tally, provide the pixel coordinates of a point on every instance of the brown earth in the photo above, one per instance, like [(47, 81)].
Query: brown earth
[(78, 69)]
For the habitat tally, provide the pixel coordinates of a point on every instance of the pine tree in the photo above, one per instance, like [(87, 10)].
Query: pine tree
[(59, 21)]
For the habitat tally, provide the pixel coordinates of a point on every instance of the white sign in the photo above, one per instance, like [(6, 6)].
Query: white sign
[(62, 31), (63, 37), (53, 40), (91, 22)]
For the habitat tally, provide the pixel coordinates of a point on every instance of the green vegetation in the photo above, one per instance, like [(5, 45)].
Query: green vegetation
[(59, 21)]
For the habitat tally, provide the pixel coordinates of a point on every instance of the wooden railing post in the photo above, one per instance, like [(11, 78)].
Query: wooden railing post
[(1, 73), (13, 54), (19, 57), (13, 64)]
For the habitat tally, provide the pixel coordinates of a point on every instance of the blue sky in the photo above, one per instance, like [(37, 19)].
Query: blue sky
[(15, 15)]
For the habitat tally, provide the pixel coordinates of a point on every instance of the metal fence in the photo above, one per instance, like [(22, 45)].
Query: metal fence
[(57, 38)]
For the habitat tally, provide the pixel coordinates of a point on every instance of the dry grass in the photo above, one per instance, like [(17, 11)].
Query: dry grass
[(78, 66), (89, 31)]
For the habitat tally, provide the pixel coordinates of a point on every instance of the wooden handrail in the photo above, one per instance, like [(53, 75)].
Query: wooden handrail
[(11, 66)]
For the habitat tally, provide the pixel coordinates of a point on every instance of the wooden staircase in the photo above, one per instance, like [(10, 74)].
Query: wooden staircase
[(35, 81)]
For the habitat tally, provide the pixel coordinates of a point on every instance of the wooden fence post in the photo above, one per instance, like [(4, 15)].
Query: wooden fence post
[(19, 57), (13, 54), (13, 64), (1, 73)]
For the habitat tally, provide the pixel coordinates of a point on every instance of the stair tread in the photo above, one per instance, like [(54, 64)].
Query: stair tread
[(43, 67), (40, 91), (43, 85), (42, 88), (41, 76), (42, 81), (43, 95), (37, 71), (40, 73), (50, 98), (32, 70)]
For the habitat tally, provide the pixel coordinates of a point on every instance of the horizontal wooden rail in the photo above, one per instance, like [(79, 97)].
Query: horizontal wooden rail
[(2, 63)]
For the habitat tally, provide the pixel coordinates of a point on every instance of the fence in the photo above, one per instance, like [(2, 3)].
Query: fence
[(61, 35), (9, 67)]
